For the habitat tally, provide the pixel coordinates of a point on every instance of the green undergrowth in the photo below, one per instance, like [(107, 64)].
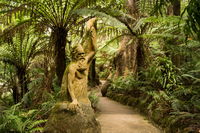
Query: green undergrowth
[(20, 118), (17, 118), (170, 99)]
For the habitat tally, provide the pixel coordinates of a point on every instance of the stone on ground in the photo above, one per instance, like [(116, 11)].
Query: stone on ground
[(63, 120)]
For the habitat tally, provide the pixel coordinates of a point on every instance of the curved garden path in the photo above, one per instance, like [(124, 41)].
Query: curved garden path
[(117, 118)]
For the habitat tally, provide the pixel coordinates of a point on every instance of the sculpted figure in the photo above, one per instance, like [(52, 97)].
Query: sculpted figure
[(74, 114), (75, 79)]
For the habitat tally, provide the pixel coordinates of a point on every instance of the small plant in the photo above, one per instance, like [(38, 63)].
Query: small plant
[(94, 99)]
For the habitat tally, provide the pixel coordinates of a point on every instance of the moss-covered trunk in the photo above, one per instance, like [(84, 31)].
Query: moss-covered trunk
[(58, 37)]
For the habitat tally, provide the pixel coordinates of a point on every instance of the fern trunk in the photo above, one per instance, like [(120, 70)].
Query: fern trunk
[(21, 73), (16, 95), (132, 57), (93, 78), (59, 41)]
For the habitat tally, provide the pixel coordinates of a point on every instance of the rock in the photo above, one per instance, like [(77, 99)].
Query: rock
[(65, 120), (104, 88)]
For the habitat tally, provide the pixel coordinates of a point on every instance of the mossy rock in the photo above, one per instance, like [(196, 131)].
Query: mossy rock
[(104, 88), (64, 120)]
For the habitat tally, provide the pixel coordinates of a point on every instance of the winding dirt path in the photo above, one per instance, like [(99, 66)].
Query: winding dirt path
[(117, 118)]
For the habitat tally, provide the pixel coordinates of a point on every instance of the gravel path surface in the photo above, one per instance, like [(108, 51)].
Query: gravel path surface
[(117, 118)]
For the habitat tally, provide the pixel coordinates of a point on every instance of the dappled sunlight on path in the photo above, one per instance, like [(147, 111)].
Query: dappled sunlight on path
[(117, 118)]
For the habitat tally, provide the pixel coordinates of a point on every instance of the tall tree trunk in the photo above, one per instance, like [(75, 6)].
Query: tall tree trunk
[(176, 58), (132, 8), (143, 55), (59, 41), (119, 59), (126, 60), (49, 74), (175, 9)]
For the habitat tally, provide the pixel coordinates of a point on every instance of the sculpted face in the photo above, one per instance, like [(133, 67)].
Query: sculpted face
[(78, 53)]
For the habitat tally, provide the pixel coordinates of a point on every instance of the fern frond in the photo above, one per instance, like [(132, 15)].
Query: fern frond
[(36, 123), (37, 129)]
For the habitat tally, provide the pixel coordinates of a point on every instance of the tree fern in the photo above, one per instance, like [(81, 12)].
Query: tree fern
[(19, 52)]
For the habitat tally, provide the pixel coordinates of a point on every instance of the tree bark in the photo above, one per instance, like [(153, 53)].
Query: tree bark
[(132, 8), (176, 59), (21, 73), (15, 94), (119, 59), (175, 9), (59, 41), (49, 74), (93, 78), (126, 61)]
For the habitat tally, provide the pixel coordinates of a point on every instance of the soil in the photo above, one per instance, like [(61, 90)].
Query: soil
[(117, 118)]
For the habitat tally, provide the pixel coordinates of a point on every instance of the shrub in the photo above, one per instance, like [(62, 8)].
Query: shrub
[(94, 99)]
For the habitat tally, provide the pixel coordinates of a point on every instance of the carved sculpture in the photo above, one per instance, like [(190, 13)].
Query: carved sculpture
[(75, 79), (73, 114)]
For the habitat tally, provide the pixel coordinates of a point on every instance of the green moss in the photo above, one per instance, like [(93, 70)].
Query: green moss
[(63, 120)]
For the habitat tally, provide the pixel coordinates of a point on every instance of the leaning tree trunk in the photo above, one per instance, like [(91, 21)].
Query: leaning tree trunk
[(59, 41)]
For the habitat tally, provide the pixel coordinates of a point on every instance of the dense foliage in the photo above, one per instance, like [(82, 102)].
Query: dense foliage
[(168, 89), (147, 49)]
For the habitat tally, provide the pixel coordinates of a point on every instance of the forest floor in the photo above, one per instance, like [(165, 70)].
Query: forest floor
[(117, 118)]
